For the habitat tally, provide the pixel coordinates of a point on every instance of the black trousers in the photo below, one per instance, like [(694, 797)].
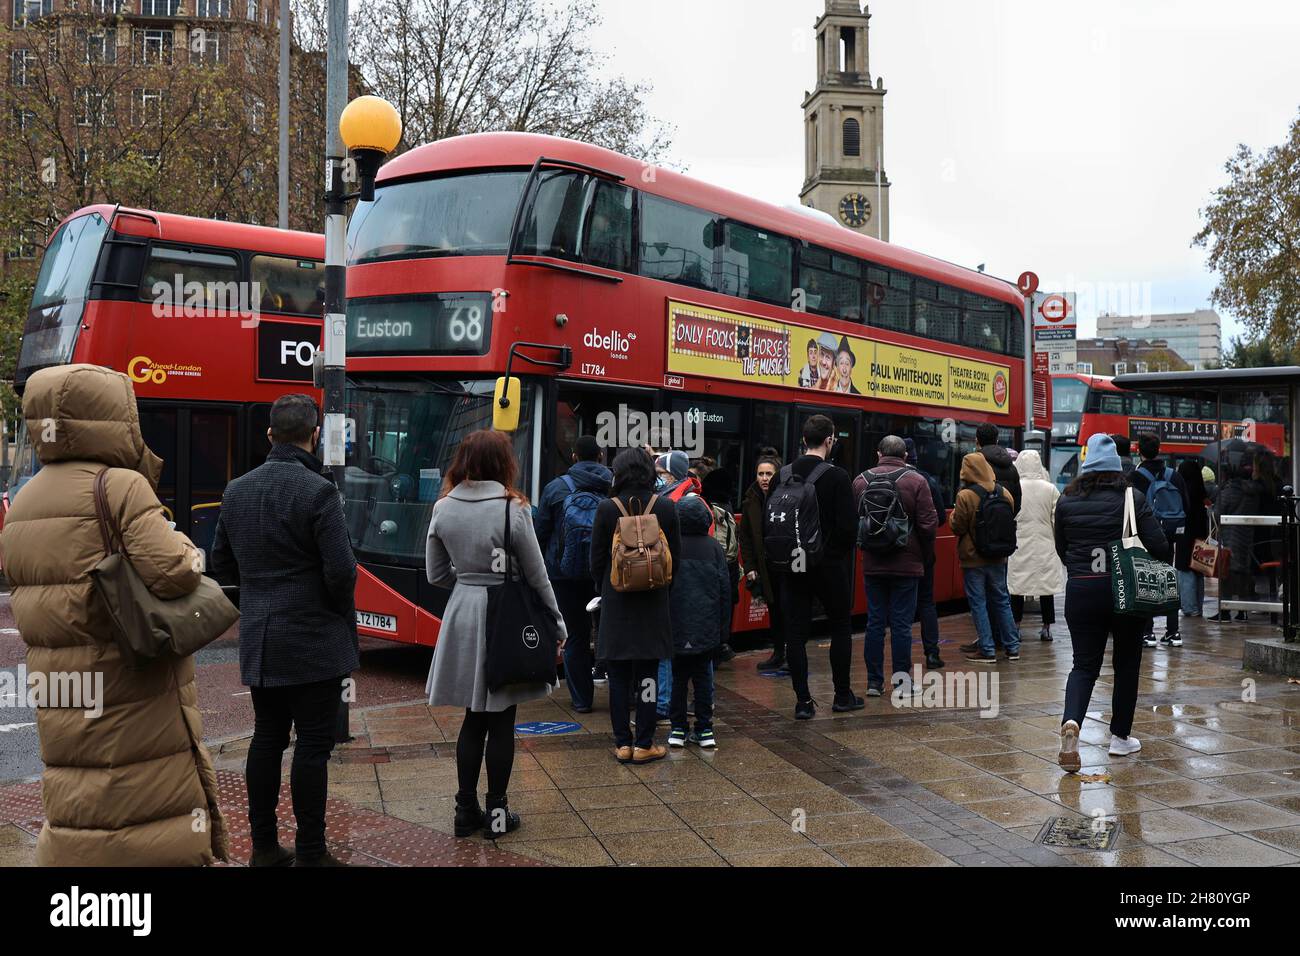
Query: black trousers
[(1091, 621), (629, 681), (573, 596), (697, 670), (829, 583), (1046, 607), (311, 710), (486, 734)]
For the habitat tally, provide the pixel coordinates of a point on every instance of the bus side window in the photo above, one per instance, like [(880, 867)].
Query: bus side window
[(288, 285), (608, 239), (172, 269)]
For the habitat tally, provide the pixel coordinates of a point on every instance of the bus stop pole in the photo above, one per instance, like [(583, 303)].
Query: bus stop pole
[(335, 331), (1029, 366)]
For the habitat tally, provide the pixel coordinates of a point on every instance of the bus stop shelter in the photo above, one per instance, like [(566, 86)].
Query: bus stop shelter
[(1256, 473)]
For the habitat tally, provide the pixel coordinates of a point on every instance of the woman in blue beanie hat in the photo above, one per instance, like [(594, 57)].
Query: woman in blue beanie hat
[(1089, 516)]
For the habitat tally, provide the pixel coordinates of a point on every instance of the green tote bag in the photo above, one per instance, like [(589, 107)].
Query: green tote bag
[(1140, 585)]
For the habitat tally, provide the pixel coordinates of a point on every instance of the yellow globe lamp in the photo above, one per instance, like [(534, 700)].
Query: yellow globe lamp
[(371, 129)]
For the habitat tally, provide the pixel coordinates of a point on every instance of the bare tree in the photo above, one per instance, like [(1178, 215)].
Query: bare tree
[(468, 66)]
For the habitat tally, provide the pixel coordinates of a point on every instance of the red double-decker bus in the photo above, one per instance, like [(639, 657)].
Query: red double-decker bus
[(654, 295), (212, 321), (1085, 405)]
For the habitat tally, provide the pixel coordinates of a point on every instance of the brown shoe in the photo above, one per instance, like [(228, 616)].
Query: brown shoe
[(1068, 758), (649, 754), (623, 754)]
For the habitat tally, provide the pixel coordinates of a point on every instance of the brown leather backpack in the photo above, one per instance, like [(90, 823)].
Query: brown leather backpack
[(639, 557)]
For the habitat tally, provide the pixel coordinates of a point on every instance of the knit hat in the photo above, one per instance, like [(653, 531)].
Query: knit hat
[(1101, 455), (1207, 475), (675, 463)]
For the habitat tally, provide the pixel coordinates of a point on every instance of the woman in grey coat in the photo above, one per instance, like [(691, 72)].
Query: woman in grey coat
[(466, 535)]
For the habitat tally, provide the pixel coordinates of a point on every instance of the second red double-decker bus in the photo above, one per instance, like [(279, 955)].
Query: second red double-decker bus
[(656, 298), (211, 320), (1085, 405)]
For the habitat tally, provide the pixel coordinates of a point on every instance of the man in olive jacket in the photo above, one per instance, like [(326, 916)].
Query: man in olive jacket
[(283, 540)]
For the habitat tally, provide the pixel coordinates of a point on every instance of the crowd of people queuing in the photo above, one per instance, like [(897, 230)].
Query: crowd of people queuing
[(803, 525)]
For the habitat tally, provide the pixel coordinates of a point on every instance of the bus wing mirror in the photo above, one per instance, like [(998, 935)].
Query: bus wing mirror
[(505, 404)]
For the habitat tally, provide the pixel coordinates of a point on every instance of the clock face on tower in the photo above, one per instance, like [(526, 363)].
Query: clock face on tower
[(855, 210)]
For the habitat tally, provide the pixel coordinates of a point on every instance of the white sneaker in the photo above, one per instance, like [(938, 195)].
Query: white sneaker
[(1123, 746), (1149, 640)]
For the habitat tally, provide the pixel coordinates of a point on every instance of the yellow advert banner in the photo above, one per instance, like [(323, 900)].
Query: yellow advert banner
[(743, 348)]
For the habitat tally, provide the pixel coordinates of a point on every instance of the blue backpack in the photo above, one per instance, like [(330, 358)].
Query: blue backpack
[(1166, 501), (577, 515)]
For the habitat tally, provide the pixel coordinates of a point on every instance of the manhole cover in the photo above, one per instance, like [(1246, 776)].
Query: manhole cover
[(1095, 834)]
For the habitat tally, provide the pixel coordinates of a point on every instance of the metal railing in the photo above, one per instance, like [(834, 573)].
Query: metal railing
[(1290, 565)]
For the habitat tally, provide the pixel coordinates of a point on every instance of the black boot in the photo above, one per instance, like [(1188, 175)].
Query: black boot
[(271, 856), (469, 815), (775, 661), (499, 818)]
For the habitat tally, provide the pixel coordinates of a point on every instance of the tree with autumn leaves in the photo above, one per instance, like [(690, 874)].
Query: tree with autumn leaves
[(1252, 233)]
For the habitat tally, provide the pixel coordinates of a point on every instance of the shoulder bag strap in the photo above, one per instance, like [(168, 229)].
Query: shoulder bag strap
[(107, 530), (650, 506), (619, 505), (507, 537), (1130, 519)]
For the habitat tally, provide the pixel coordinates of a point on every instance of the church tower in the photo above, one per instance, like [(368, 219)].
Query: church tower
[(844, 126)]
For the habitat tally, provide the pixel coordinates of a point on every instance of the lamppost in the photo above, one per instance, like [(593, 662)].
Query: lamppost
[(370, 129)]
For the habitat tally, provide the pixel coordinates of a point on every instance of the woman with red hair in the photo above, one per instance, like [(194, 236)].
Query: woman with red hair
[(464, 552)]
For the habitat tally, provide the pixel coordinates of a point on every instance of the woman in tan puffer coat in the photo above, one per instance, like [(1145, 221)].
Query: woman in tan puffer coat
[(133, 786)]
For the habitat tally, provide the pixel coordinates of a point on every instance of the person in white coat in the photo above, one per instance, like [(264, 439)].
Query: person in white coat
[(1035, 570)]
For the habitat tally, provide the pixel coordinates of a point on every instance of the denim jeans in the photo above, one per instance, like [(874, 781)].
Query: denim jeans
[(665, 688), (1191, 592), (986, 591), (891, 601)]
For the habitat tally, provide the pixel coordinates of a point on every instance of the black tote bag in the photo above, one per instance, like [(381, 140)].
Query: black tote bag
[(522, 635)]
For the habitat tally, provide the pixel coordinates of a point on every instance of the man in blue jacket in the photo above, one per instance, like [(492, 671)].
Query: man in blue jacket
[(563, 522)]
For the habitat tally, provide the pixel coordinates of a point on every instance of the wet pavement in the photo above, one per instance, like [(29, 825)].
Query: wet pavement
[(1217, 781)]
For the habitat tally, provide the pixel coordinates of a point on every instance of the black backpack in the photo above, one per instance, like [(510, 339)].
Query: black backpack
[(995, 524), (792, 522), (884, 526)]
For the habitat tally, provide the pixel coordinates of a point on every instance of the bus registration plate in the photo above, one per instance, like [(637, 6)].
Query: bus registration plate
[(377, 622)]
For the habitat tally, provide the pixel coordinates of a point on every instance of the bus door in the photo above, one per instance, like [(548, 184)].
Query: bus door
[(611, 413), (203, 446)]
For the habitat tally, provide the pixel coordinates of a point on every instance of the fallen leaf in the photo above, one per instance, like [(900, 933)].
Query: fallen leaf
[(1094, 777)]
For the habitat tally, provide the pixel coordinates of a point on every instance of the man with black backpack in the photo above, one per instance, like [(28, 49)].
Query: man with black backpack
[(563, 522), (896, 524), (984, 521), (808, 530), (1166, 492)]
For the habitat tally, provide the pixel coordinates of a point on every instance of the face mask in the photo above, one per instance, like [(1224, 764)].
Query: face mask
[(661, 483)]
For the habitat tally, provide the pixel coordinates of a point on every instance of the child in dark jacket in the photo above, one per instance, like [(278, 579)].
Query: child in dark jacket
[(701, 612)]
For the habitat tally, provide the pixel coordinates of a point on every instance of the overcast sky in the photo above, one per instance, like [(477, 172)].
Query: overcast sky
[(1078, 140)]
